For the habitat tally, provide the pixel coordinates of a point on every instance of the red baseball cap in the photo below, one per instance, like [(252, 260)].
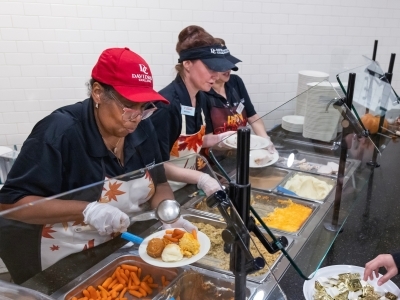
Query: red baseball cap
[(128, 73)]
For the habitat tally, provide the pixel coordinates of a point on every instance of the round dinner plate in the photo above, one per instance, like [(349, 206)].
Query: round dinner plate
[(204, 248), (254, 154), (308, 286), (256, 142)]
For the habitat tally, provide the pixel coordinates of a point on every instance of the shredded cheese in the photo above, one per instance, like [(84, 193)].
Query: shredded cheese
[(289, 218)]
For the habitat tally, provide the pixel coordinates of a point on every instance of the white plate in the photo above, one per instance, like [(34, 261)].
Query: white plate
[(256, 142), (293, 119), (254, 154), (308, 286), (204, 248)]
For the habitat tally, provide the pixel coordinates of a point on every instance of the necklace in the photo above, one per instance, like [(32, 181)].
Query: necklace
[(116, 147), (113, 149)]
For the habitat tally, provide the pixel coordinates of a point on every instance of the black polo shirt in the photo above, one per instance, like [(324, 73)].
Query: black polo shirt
[(65, 151), (167, 119), (235, 91)]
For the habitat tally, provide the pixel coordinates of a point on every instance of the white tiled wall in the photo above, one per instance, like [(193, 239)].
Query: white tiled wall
[(48, 47)]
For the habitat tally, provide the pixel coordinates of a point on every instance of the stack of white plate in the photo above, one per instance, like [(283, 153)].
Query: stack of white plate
[(293, 123), (304, 78), (321, 118)]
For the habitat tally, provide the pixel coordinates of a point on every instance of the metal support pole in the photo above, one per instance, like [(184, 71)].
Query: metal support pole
[(334, 225), (373, 58), (388, 75), (242, 205)]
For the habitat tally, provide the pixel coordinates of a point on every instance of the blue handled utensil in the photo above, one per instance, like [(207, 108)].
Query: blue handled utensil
[(281, 189), (132, 238)]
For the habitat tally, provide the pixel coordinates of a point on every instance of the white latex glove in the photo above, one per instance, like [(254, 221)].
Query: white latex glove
[(271, 148), (180, 223), (208, 184), (105, 218), (222, 136)]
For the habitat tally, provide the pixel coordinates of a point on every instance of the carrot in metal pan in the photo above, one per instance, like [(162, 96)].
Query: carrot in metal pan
[(129, 267), (86, 293), (135, 278), (135, 293), (146, 277), (143, 292), (139, 272), (144, 286), (107, 282)]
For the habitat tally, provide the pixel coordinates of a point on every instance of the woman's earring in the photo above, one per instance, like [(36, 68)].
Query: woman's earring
[(97, 105)]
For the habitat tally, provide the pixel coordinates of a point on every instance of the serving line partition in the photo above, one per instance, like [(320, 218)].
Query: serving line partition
[(69, 275), (314, 241)]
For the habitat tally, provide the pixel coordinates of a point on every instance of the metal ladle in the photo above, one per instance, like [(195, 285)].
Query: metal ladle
[(167, 211)]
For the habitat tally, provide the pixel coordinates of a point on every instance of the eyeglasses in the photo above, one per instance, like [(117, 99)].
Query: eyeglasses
[(131, 114)]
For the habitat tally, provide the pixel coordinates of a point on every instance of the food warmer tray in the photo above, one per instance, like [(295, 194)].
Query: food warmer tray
[(262, 202), (314, 161), (329, 180), (96, 275), (266, 179)]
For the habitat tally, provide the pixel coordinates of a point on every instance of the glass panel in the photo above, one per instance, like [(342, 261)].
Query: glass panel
[(65, 256), (295, 189), (373, 97)]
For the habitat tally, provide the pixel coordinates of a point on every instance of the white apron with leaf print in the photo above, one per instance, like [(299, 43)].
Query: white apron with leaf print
[(185, 145), (60, 240)]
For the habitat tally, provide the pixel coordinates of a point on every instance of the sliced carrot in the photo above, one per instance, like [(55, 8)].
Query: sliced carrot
[(107, 282), (144, 286), (135, 293), (169, 231), (163, 280), (179, 236), (92, 292), (194, 232), (115, 281), (122, 273), (142, 291), (121, 295), (171, 239), (146, 277), (104, 293), (86, 293), (119, 278), (117, 288), (115, 272), (134, 287), (135, 278), (129, 267), (178, 231)]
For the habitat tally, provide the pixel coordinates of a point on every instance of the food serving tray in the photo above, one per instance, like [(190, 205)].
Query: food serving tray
[(311, 164), (266, 179), (196, 285), (265, 203), (100, 274), (331, 181), (211, 263)]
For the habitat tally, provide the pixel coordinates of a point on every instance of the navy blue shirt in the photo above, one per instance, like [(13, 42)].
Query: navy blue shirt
[(167, 119), (65, 151), (236, 92)]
